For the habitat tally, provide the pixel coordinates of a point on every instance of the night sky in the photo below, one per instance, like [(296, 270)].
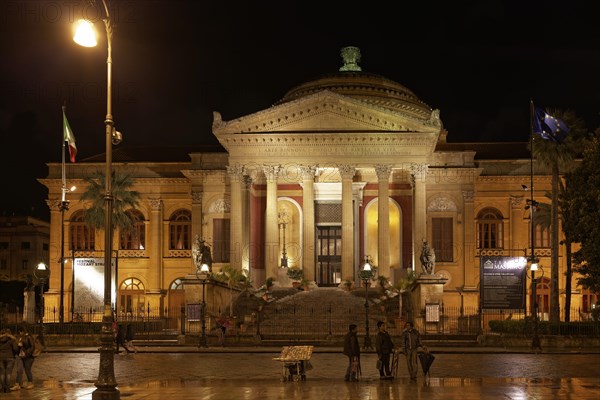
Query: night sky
[(175, 62)]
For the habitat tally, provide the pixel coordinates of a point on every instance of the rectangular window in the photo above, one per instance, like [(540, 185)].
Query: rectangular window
[(443, 242), (3, 245), (25, 264), (25, 245), (542, 237), (45, 246), (221, 240), (3, 264)]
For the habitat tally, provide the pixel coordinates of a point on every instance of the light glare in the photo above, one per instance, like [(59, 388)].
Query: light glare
[(84, 34)]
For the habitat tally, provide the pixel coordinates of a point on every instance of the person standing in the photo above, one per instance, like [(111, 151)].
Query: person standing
[(24, 360), (8, 351), (352, 350), (411, 341), (384, 347)]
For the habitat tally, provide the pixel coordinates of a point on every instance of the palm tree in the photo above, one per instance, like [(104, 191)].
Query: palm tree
[(555, 156), (542, 217), (232, 277), (123, 199)]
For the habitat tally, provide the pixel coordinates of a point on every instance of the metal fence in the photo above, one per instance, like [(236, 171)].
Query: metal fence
[(295, 320)]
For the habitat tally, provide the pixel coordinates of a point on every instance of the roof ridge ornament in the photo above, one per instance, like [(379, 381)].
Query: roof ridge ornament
[(351, 57)]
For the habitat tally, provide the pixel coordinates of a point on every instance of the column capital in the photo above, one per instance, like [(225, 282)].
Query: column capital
[(383, 171), (308, 172), (516, 201), (156, 204), (271, 172), (196, 196), (419, 171), (247, 182), (53, 204), (346, 171), (236, 171), (468, 196)]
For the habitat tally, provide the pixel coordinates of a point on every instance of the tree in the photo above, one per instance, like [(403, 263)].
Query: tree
[(556, 156), (584, 188), (123, 199), (542, 217), (233, 277)]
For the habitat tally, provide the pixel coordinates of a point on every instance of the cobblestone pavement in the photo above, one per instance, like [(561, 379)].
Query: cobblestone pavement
[(254, 375)]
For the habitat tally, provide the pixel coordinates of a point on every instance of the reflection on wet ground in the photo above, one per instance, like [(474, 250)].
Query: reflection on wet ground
[(148, 376), (430, 389)]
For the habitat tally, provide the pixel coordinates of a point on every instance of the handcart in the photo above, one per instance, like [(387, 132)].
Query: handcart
[(295, 362)]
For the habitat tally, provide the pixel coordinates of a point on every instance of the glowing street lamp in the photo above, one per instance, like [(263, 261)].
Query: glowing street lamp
[(366, 274), (106, 385)]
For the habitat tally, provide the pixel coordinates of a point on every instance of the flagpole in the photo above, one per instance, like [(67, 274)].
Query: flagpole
[(63, 206), (535, 344)]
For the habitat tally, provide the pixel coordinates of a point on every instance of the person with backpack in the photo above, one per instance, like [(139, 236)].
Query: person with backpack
[(8, 351), (25, 359)]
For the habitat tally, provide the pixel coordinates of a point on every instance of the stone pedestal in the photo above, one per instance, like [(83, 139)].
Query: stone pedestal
[(428, 289), (29, 307)]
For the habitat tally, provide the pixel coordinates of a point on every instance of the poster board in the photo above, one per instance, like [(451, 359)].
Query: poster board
[(503, 282)]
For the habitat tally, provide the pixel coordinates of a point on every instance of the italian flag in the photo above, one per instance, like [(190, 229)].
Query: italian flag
[(69, 137)]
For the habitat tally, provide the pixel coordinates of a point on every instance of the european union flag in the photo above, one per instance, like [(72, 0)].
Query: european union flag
[(549, 127)]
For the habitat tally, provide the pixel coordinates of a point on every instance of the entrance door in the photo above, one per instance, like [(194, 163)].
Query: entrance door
[(329, 255)]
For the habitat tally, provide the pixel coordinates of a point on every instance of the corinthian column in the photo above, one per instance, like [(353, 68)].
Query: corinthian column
[(236, 176), (383, 216), (271, 227), (347, 173), (469, 239), (419, 177), (308, 222), (155, 245)]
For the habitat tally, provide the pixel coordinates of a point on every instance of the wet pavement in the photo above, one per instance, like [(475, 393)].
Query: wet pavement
[(251, 373)]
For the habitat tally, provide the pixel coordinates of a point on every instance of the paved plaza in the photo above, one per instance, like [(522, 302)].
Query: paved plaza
[(251, 373)]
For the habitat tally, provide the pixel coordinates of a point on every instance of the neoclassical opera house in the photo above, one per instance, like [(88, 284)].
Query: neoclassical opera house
[(349, 165)]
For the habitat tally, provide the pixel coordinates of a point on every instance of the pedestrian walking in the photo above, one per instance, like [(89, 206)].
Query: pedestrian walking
[(384, 347), (8, 350), (24, 360), (120, 339), (411, 341), (129, 336), (352, 350)]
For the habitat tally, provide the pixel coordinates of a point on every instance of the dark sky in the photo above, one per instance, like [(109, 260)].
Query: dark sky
[(174, 62)]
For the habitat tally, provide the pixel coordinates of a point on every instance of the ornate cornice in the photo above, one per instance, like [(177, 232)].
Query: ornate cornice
[(364, 113)]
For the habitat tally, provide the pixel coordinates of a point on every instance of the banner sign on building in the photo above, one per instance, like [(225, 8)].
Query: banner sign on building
[(88, 275), (503, 282)]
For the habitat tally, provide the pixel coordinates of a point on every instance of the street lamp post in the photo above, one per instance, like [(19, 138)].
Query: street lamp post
[(365, 275), (42, 273), (106, 384), (283, 221), (203, 274)]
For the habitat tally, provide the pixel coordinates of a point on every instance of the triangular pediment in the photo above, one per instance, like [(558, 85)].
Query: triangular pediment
[(323, 112)]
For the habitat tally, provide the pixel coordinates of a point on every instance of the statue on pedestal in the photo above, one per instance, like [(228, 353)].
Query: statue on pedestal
[(427, 259), (201, 253)]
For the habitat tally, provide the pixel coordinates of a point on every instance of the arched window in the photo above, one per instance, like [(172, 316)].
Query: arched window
[(131, 299), (135, 239), (489, 229), (177, 284), (82, 237), (180, 230)]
